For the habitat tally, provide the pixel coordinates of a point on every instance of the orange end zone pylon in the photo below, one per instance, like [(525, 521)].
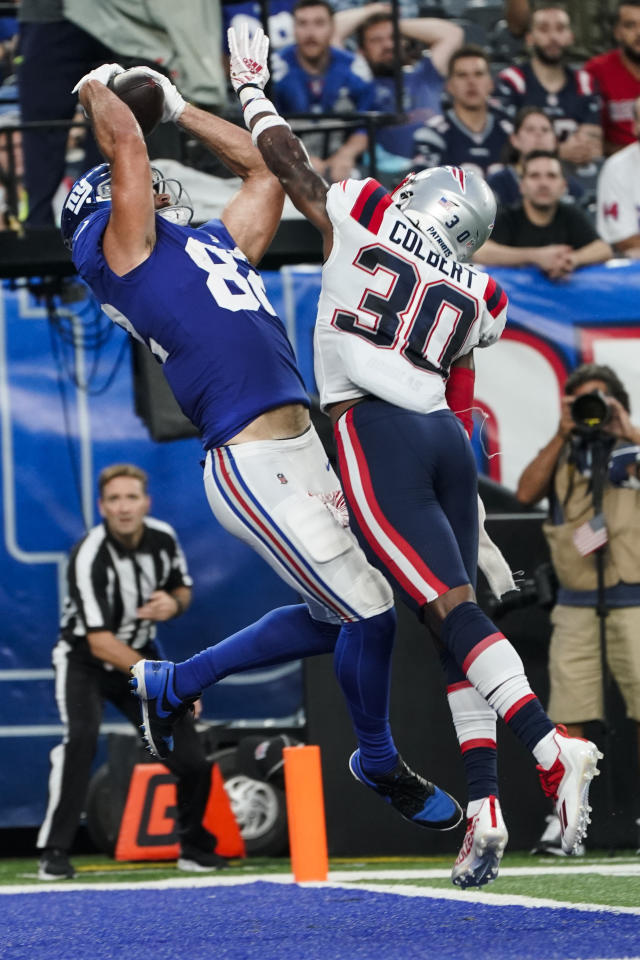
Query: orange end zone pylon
[(305, 813)]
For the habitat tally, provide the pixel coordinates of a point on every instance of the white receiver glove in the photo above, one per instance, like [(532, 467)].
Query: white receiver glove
[(174, 102), (103, 74), (249, 57), (490, 560)]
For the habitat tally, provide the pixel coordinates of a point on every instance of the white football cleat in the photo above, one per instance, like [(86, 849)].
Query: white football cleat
[(550, 843), (482, 848), (567, 782)]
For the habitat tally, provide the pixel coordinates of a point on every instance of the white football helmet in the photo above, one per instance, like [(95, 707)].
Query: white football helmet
[(453, 207)]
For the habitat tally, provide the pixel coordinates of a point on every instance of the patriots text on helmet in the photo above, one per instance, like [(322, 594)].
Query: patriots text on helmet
[(411, 241)]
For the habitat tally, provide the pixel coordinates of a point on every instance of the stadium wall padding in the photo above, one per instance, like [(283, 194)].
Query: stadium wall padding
[(56, 438)]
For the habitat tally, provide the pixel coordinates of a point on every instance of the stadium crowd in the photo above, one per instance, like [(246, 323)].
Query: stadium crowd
[(451, 83)]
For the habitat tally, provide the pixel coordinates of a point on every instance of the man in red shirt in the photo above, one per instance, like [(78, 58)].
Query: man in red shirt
[(617, 74)]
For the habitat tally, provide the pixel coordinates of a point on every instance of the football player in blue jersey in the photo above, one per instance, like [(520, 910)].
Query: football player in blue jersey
[(194, 297), (399, 315)]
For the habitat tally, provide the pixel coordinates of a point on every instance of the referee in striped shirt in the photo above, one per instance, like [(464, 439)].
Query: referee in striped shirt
[(126, 575)]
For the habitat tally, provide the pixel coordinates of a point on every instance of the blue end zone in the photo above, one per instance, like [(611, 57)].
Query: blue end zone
[(269, 921)]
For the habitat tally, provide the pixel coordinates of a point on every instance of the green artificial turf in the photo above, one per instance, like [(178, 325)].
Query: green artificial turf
[(559, 882)]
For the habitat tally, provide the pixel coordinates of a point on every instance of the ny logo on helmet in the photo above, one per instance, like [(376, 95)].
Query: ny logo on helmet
[(81, 191)]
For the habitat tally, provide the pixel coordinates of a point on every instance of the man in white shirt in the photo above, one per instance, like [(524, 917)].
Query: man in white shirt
[(619, 196)]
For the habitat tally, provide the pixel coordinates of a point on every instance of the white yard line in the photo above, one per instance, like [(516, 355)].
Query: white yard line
[(601, 869), (365, 880)]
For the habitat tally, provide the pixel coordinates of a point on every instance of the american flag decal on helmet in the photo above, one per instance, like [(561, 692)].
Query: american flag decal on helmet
[(458, 175)]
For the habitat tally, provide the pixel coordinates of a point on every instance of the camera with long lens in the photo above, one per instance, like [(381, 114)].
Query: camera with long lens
[(540, 589), (590, 412)]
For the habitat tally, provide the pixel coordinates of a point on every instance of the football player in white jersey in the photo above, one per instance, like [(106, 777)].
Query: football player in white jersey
[(399, 315)]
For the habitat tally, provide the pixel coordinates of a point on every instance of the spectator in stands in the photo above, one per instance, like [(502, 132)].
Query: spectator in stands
[(562, 470), (566, 94), (54, 54), (279, 20), (13, 198), (591, 22), (543, 232), (532, 130), (617, 74), (182, 39), (311, 76), (427, 44), (8, 44), (408, 9), (472, 133), (619, 196)]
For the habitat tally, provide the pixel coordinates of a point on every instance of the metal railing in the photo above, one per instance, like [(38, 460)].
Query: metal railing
[(304, 123)]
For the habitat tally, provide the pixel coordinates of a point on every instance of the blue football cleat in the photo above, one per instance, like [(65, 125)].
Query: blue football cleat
[(152, 681), (415, 798)]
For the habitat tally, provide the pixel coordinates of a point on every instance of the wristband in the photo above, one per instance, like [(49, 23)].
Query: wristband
[(264, 123), (248, 92), (257, 106)]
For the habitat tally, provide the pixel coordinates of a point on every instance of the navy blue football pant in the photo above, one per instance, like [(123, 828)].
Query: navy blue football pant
[(411, 487)]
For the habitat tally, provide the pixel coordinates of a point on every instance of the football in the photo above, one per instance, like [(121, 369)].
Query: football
[(142, 95)]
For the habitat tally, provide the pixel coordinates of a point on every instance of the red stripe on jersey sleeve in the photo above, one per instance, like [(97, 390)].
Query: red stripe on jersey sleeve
[(364, 195), (495, 298), (378, 213)]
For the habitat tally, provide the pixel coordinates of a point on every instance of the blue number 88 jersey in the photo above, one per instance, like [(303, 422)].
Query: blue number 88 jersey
[(202, 309)]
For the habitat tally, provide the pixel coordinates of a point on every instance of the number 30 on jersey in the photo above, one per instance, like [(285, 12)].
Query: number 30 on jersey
[(428, 323)]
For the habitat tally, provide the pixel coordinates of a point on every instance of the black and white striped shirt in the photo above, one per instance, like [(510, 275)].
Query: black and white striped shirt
[(107, 583)]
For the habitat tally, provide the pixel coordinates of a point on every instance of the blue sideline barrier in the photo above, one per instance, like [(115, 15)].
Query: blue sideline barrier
[(55, 440)]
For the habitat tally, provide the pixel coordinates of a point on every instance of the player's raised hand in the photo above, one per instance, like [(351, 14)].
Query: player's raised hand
[(103, 74), (174, 102), (249, 58)]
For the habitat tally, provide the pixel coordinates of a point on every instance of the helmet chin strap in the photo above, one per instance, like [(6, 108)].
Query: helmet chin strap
[(176, 214)]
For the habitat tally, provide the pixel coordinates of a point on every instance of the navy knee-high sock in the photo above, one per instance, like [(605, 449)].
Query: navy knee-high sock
[(288, 633), (362, 664)]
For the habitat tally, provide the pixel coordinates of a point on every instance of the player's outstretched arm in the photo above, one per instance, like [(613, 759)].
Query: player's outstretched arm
[(130, 235), (283, 152), (253, 214)]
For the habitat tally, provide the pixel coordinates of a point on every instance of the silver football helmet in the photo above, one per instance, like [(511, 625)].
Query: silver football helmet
[(453, 207)]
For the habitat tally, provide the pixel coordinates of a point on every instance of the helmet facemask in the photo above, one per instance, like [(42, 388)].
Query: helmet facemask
[(180, 210)]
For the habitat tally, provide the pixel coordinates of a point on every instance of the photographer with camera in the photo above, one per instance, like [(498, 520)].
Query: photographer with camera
[(590, 472)]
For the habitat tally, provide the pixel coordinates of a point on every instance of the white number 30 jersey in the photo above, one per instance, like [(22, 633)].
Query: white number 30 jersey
[(394, 313)]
